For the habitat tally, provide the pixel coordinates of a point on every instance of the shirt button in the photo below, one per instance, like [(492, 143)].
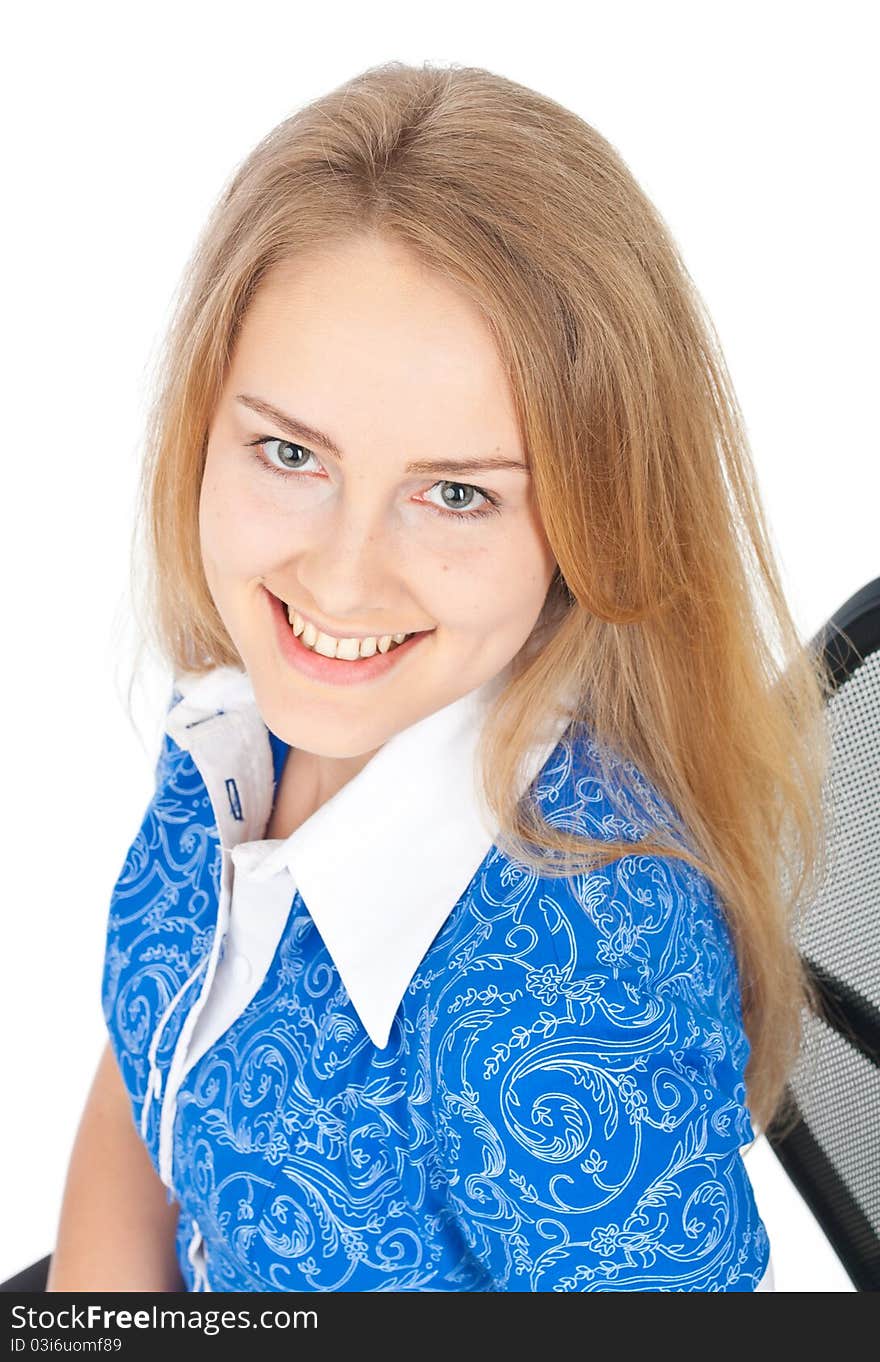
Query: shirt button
[(240, 970)]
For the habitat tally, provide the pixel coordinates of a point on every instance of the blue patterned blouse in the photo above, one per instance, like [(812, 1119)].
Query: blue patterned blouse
[(559, 1106)]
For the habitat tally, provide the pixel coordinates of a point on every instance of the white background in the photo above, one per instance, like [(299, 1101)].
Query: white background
[(753, 127)]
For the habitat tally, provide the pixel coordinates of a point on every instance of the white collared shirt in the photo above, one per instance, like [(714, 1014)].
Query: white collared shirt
[(381, 864)]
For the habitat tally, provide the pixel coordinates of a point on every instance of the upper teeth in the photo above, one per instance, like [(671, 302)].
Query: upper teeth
[(348, 648)]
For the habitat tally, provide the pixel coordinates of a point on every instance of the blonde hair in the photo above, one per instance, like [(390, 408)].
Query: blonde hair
[(665, 625)]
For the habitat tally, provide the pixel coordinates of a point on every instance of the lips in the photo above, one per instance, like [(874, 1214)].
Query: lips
[(333, 670)]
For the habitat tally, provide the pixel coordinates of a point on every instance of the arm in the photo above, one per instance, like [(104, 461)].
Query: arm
[(117, 1229)]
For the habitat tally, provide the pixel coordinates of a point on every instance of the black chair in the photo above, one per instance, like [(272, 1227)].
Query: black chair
[(831, 1152), (31, 1278)]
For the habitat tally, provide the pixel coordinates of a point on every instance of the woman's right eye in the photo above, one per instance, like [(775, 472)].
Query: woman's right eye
[(284, 468)]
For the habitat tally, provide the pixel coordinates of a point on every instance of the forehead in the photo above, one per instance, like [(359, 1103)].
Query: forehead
[(359, 332)]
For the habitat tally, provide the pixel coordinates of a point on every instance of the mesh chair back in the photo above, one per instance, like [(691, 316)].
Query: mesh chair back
[(832, 1154)]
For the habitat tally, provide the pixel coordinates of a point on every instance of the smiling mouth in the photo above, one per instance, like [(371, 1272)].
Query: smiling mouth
[(347, 649)]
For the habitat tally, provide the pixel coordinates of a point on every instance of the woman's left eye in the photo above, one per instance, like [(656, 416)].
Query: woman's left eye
[(491, 507)]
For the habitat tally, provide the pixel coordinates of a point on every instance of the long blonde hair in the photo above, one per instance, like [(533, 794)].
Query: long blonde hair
[(665, 628)]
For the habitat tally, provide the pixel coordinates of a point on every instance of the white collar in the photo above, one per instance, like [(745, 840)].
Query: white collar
[(382, 863)]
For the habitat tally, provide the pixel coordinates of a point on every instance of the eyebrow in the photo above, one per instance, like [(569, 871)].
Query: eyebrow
[(298, 429)]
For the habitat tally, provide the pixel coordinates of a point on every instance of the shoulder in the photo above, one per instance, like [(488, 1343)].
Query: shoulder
[(591, 789), (634, 956), (641, 919)]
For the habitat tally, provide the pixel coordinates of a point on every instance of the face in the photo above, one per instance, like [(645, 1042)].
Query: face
[(397, 368)]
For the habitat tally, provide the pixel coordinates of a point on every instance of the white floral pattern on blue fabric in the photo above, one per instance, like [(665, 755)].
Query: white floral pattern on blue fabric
[(560, 1106)]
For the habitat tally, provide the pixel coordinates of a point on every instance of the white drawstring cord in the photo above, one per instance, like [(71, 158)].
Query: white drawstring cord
[(197, 1260), (154, 1079)]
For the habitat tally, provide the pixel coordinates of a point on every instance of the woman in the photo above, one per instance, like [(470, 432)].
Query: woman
[(455, 949)]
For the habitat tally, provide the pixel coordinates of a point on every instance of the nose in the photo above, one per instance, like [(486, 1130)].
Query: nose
[(351, 565)]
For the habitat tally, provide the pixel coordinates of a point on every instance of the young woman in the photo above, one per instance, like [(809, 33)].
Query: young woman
[(455, 951)]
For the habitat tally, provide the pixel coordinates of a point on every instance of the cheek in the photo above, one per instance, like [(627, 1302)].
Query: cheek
[(497, 590), (239, 532)]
